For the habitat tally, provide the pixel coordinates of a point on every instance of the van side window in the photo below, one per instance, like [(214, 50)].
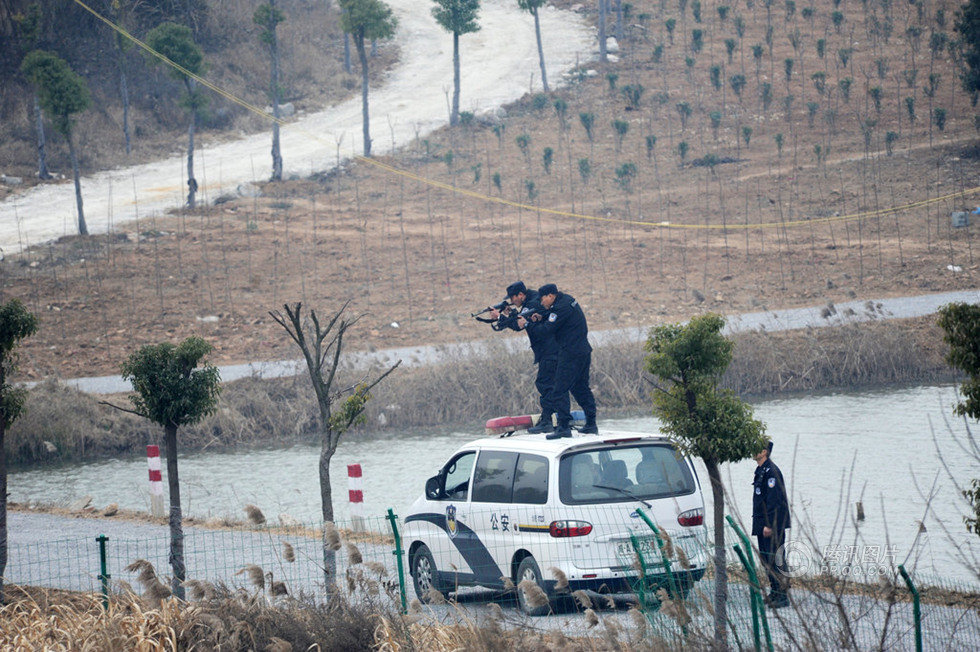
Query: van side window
[(458, 476), (531, 480), (493, 481)]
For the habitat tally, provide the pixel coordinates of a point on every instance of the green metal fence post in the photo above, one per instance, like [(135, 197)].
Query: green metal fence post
[(916, 610), (104, 575), (673, 586), (753, 596), (398, 553), (756, 587)]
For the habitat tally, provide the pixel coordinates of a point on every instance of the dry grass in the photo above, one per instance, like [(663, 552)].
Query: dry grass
[(473, 389)]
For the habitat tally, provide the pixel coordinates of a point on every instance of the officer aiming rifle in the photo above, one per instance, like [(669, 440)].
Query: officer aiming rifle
[(514, 313)]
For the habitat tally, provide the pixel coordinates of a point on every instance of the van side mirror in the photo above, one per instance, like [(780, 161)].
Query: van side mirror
[(433, 487)]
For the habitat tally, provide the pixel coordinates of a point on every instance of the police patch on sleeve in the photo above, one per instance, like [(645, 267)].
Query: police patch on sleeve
[(552, 317), (758, 491), (772, 483)]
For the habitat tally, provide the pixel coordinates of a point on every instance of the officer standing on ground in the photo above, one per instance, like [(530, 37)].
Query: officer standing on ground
[(566, 321), (543, 343), (770, 519)]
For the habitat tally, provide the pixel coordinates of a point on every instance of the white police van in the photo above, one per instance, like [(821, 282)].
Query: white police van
[(513, 508)]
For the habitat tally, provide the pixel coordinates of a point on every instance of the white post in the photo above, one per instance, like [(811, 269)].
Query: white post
[(156, 481), (356, 496)]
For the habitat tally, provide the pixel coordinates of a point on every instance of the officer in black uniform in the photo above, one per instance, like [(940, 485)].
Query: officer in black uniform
[(770, 520), (566, 321), (543, 343)]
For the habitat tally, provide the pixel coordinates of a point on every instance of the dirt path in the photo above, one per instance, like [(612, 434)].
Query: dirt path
[(499, 65)]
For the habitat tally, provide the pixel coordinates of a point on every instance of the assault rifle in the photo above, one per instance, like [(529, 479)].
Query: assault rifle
[(498, 307), (525, 311)]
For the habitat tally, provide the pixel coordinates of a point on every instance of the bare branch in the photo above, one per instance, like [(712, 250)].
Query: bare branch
[(122, 409)]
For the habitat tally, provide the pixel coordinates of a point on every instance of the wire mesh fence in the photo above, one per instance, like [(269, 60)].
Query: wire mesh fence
[(611, 559)]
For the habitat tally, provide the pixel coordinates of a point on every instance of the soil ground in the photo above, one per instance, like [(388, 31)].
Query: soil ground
[(787, 214)]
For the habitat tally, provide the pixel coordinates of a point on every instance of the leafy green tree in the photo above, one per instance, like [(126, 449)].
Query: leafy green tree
[(61, 94), (321, 345), (532, 7), (702, 419), (16, 323), (176, 43), (968, 26), (173, 388), (961, 332), (268, 16), (457, 17), (366, 20)]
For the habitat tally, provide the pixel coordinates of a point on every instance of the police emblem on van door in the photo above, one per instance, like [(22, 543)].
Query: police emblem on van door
[(451, 520)]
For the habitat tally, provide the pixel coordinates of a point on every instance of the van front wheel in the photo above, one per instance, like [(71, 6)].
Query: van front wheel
[(424, 574), (531, 594)]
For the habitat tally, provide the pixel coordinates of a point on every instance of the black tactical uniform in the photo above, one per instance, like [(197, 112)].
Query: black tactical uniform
[(770, 508), (567, 323), (545, 351)]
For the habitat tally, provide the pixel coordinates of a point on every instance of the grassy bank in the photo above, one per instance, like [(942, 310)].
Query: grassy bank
[(61, 423)]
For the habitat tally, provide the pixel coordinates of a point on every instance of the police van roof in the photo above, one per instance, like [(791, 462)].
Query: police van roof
[(527, 442)]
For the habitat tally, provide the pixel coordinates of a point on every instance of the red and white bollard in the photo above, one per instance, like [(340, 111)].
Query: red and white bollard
[(355, 494), (156, 481)]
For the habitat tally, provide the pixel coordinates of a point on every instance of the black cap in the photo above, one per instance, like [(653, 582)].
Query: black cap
[(547, 288), (516, 288)]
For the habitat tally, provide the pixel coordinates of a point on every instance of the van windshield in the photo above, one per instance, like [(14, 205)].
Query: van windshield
[(617, 474)]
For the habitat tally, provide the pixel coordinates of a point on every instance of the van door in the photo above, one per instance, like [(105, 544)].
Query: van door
[(492, 514), (447, 516)]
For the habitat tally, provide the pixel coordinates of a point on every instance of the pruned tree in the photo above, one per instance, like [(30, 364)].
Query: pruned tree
[(16, 323), (268, 16), (366, 20), (532, 7), (62, 94), (321, 344), (176, 43), (457, 17), (28, 30), (703, 420), (173, 388)]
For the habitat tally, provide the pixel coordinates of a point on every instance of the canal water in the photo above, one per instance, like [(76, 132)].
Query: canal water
[(899, 452)]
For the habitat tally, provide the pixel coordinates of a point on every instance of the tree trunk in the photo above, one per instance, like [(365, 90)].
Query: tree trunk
[(362, 56), (454, 115), (176, 528), (326, 505), (3, 507), (274, 93), (42, 155), (347, 53), (191, 181), (82, 228), (537, 33), (619, 21), (721, 571), (602, 30), (124, 94)]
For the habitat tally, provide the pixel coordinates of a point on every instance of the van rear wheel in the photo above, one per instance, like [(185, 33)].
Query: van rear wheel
[(532, 602), (424, 574)]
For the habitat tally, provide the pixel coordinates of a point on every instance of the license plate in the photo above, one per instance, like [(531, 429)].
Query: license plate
[(647, 548)]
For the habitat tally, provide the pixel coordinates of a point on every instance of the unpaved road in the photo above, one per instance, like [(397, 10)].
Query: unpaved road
[(499, 64)]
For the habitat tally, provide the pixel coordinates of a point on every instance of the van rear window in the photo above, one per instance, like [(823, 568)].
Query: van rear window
[(612, 475)]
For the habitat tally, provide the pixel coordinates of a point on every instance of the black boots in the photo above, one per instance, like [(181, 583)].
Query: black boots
[(562, 431), (543, 425), (590, 427)]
